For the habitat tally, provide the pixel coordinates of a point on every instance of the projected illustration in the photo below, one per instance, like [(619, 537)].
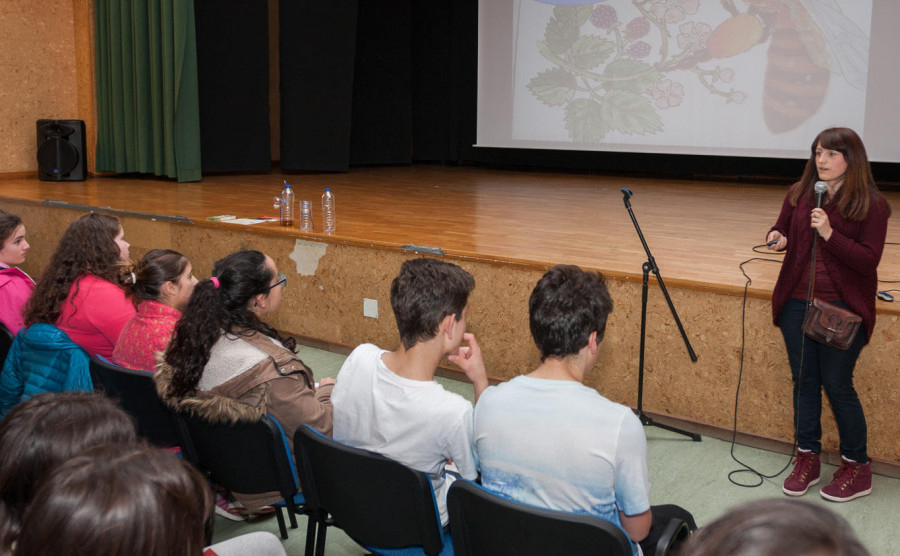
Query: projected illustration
[(626, 68)]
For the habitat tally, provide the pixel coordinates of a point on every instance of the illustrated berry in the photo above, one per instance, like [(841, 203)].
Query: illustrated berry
[(639, 49), (637, 28), (604, 16)]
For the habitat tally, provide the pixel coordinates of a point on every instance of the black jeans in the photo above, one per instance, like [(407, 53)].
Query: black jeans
[(832, 369)]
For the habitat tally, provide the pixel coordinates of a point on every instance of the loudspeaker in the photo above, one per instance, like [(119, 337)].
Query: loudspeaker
[(61, 151)]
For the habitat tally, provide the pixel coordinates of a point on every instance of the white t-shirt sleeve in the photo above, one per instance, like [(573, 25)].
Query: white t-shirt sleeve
[(632, 478), (459, 445)]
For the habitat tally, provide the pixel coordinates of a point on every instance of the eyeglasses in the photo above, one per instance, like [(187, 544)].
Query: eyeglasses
[(282, 280)]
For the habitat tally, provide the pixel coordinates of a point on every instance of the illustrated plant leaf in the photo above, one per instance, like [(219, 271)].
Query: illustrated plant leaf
[(585, 121), (560, 35), (629, 75), (554, 86), (589, 51), (576, 14), (630, 113)]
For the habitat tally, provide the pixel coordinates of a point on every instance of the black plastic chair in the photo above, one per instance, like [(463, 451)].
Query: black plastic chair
[(482, 522), (251, 458), (6, 340), (381, 504), (135, 393)]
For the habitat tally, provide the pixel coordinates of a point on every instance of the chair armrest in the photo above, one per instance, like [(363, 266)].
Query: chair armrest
[(676, 532)]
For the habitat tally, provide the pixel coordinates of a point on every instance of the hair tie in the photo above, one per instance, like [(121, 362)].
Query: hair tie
[(133, 278), (215, 282)]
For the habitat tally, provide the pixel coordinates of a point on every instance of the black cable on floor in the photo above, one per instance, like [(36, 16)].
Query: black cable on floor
[(747, 468)]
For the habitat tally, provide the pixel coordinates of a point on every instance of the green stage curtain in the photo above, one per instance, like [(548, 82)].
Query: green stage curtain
[(147, 99)]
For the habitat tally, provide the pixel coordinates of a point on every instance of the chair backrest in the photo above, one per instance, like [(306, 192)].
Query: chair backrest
[(375, 500), (135, 393), (482, 522), (6, 340), (249, 458)]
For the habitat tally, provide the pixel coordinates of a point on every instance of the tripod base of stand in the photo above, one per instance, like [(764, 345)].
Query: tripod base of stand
[(648, 421)]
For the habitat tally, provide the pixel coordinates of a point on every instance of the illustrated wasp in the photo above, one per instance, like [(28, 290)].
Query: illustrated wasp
[(810, 40)]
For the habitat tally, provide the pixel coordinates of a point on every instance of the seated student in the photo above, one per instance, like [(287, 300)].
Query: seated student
[(81, 290), (775, 527), (43, 432), (226, 365), (388, 402), (15, 285), (164, 280), (126, 499), (547, 440)]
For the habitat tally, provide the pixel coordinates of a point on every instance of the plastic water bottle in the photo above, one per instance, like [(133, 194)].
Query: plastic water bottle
[(285, 205), (329, 218), (306, 220)]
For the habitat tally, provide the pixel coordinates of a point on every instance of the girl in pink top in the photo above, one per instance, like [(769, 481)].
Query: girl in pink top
[(164, 279), (81, 291), (15, 285)]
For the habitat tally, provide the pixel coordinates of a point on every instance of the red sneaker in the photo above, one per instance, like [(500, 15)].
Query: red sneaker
[(804, 475), (851, 480)]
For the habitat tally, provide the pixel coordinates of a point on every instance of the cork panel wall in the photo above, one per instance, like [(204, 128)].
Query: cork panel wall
[(37, 75), (328, 282)]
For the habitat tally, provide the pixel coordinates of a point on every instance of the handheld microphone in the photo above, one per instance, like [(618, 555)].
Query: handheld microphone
[(820, 188)]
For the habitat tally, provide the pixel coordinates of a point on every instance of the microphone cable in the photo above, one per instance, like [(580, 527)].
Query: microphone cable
[(746, 468)]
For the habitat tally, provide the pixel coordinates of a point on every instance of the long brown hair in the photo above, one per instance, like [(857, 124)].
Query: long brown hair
[(858, 187), (118, 499), (156, 268), (87, 247), (8, 224), (39, 434)]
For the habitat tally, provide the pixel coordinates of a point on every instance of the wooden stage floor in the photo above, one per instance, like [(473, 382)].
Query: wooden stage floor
[(698, 232)]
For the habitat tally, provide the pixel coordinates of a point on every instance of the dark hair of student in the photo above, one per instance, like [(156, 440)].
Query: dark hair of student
[(567, 304), (118, 499), (8, 224), (87, 247), (44, 431), (156, 268), (774, 527), (859, 184), (212, 310), (424, 293)]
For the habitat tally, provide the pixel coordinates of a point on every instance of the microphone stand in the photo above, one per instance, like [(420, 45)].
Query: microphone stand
[(648, 267)]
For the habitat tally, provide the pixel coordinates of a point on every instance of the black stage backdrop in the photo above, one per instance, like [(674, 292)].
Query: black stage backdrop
[(233, 75)]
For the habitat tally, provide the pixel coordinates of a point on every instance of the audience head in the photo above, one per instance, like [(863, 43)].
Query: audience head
[(774, 527), (566, 306), (92, 244), (166, 276), (118, 499), (424, 293), (44, 431), (13, 246), (244, 286)]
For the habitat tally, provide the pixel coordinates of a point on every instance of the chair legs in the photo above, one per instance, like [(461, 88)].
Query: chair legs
[(320, 535), (311, 524), (281, 528)]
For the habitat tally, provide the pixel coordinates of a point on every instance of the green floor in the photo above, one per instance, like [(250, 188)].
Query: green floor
[(691, 474)]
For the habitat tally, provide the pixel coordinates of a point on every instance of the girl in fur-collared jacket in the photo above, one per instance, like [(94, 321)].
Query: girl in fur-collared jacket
[(226, 365)]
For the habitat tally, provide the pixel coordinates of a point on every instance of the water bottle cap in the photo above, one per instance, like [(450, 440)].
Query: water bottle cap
[(327, 189), (286, 184)]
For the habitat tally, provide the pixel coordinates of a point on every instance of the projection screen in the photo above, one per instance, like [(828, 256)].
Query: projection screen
[(755, 78)]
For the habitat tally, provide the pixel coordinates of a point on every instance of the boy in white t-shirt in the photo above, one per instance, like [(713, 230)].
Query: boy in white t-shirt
[(388, 402), (548, 440)]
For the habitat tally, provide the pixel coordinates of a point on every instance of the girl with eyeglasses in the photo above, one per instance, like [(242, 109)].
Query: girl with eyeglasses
[(226, 365)]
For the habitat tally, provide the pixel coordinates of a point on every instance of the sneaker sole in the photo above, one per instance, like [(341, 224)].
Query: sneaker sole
[(800, 492), (859, 494), (230, 516)]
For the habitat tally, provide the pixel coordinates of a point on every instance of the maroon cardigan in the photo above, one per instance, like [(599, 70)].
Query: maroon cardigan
[(851, 255)]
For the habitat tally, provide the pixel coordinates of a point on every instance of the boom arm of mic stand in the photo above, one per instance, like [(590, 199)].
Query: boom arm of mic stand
[(662, 285)]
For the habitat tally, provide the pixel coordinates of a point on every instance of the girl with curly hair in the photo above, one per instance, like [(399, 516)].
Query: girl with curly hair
[(226, 365), (81, 292), (15, 285)]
